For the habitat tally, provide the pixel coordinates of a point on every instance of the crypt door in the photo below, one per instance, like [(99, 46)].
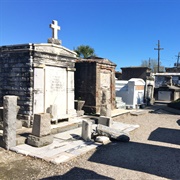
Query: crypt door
[(50, 90), (56, 90)]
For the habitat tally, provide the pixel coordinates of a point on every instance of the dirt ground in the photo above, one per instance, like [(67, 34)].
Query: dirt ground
[(152, 153)]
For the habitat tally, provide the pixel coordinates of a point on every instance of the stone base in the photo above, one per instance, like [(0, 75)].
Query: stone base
[(54, 41), (106, 121), (39, 141), (80, 113)]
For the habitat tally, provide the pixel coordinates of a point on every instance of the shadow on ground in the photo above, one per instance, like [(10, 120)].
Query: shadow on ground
[(162, 108), (165, 135), (152, 159), (77, 174), (178, 122)]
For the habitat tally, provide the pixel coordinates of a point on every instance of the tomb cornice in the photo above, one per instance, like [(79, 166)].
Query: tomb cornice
[(16, 48), (45, 48), (98, 61), (69, 67), (53, 48), (53, 56)]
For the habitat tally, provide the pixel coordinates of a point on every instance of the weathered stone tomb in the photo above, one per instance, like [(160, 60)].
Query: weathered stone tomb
[(92, 76), (42, 76)]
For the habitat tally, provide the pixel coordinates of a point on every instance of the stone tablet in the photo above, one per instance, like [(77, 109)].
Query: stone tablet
[(106, 121), (41, 125), (86, 130)]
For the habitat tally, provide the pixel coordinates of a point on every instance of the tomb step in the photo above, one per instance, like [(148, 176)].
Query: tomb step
[(23, 134)]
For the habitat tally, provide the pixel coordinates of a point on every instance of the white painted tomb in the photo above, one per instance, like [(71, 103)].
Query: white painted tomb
[(131, 92)]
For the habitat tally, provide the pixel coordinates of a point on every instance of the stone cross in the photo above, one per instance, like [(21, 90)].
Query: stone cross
[(54, 26)]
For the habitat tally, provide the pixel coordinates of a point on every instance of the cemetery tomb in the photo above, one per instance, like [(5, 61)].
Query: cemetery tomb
[(92, 76), (132, 91), (41, 75)]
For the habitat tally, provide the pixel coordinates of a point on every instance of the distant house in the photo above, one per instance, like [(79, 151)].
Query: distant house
[(167, 86), (135, 72), (173, 69), (164, 79)]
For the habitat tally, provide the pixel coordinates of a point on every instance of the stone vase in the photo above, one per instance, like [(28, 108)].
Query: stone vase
[(79, 104)]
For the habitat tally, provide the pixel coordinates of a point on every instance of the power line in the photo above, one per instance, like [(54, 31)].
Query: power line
[(159, 49)]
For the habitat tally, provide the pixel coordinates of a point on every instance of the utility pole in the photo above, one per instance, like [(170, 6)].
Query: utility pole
[(158, 53), (178, 56), (149, 65)]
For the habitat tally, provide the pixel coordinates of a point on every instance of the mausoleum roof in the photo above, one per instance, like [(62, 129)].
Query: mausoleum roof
[(41, 47), (136, 67), (137, 81), (98, 60)]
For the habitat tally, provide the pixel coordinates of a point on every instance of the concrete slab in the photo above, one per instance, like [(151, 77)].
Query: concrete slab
[(124, 127), (68, 134), (63, 157), (59, 151), (66, 145)]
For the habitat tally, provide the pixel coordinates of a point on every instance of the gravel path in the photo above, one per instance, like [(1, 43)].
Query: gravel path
[(152, 153)]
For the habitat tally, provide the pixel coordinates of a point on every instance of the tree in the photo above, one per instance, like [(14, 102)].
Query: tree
[(153, 64), (84, 51)]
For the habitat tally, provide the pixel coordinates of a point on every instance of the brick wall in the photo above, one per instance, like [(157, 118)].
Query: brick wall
[(87, 83), (16, 76)]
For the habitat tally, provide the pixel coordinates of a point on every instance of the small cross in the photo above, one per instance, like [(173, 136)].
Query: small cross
[(54, 26)]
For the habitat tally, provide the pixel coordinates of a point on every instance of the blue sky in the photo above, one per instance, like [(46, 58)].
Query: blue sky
[(123, 31)]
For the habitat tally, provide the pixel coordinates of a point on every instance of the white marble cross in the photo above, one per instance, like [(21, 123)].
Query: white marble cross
[(54, 26)]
